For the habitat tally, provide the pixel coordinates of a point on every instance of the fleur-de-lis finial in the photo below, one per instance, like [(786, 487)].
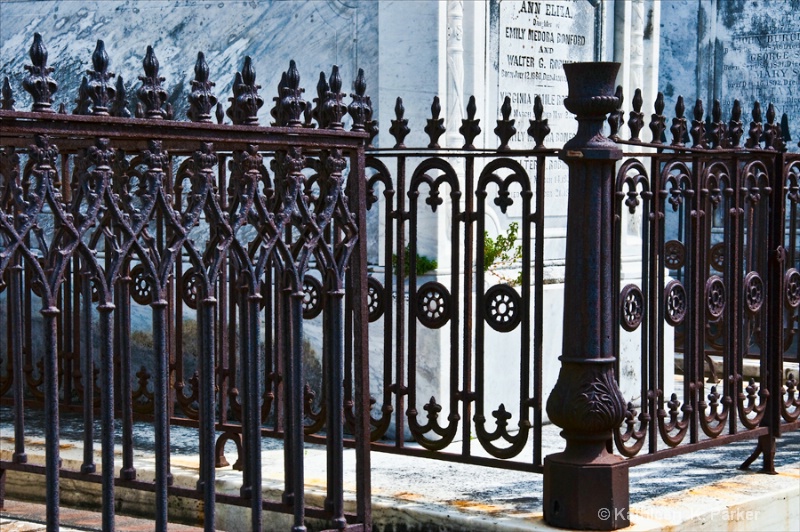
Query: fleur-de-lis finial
[(698, 131), (360, 109), (291, 104), (399, 129), (678, 128), (100, 91), (538, 129), (435, 127), (246, 101), (735, 130), (636, 117), (756, 128), (333, 107), (718, 133), (151, 94), (470, 126), (658, 120), (201, 99), (38, 81), (505, 129)]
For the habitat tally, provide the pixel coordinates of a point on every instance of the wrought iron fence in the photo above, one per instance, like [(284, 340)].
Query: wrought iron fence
[(187, 218), (103, 213)]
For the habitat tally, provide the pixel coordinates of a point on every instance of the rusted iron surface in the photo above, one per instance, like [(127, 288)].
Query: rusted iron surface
[(239, 236)]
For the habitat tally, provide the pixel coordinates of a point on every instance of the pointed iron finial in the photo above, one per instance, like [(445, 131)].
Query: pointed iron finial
[(360, 108), (470, 126), (773, 139), (718, 131), (399, 129), (698, 131), (756, 129), (151, 94), (435, 127), (82, 102), (678, 128), (505, 129), (291, 104), (538, 129), (785, 128), (333, 106), (119, 107), (100, 57), (38, 81), (100, 90), (616, 118), (201, 99), (636, 117), (658, 122), (322, 93), (735, 130), (246, 101), (7, 102)]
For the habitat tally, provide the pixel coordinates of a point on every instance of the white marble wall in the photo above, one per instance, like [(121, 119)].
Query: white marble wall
[(316, 34)]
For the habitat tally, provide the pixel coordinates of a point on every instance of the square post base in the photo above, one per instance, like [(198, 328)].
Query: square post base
[(586, 496)]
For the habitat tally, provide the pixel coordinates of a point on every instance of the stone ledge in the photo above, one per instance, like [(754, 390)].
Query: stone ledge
[(425, 498)]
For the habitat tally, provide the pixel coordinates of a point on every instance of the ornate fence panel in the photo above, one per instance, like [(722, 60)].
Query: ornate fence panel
[(104, 214)]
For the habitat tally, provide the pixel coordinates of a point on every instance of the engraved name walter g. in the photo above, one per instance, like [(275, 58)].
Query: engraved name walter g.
[(761, 58)]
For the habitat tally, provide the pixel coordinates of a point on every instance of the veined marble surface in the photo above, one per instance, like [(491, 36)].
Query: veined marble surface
[(315, 34)]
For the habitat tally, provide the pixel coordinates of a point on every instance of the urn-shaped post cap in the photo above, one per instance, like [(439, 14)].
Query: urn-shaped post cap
[(591, 88)]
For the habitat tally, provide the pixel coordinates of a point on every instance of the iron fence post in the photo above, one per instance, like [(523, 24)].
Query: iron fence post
[(586, 487)]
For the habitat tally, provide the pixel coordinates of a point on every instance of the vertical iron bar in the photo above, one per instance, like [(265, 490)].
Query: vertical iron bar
[(697, 272), (15, 315), (51, 431), (538, 303), (66, 331), (333, 354), (123, 332), (657, 306), (358, 205), (400, 334), (88, 465), (207, 416), (244, 397), (294, 406), (253, 416), (107, 411), (161, 412), (469, 259)]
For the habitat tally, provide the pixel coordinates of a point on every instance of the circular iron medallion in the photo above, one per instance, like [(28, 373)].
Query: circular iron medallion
[(715, 297), (674, 255), (753, 292), (631, 307), (374, 298), (503, 308), (674, 302), (433, 305), (312, 298), (141, 291), (792, 282)]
